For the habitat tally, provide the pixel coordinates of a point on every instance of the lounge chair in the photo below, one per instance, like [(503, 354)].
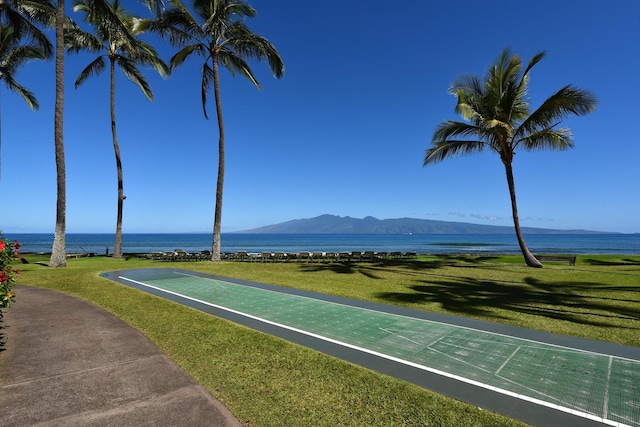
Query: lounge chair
[(304, 256), (331, 256), (343, 256), (367, 256)]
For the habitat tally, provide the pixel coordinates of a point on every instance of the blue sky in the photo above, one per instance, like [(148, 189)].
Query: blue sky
[(345, 130)]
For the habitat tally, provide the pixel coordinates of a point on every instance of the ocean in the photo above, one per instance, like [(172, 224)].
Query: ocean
[(423, 244)]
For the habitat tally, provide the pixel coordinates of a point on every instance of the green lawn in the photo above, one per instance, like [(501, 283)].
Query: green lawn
[(269, 382)]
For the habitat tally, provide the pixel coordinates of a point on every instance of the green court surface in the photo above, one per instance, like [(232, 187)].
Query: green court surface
[(594, 386)]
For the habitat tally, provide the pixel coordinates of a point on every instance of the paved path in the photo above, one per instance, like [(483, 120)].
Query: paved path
[(64, 361)]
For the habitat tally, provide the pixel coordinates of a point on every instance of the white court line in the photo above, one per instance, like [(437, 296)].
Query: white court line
[(388, 357), (605, 406), (508, 359)]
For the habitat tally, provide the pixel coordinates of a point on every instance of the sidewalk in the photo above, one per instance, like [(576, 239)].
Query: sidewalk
[(66, 362)]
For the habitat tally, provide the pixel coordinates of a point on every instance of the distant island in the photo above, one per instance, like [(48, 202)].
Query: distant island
[(332, 224)]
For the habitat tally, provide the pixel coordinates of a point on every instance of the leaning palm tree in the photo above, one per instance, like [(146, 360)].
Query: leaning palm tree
[(498, 117), (117, 43), (217, 32), (13, 55)]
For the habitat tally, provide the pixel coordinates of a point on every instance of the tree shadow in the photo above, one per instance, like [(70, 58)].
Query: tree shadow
[(367, 268), (555, 300), (600, 262)]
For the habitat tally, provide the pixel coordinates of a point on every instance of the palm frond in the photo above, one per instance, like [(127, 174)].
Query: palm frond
[(453, 129), (179, 25), (132, 72), (21, 17), (547, 139), (250, 46), (183, 54), (235, 63), (451, 148), (22, 91), (77, 40), (568, 100), (207, 81), (93, 69)]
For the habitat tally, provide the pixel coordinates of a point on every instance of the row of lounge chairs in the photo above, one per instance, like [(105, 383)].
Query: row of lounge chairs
[(303, 256), (181, 255)]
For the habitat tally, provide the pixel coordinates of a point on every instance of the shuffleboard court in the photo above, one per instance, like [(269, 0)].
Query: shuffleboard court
[(589, 386)]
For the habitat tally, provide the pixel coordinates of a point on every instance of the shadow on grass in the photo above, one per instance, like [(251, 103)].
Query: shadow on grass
[(368, 268), (600, 262), (557, 300)]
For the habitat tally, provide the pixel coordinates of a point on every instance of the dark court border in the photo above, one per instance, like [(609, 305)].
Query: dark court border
[(512, 407)]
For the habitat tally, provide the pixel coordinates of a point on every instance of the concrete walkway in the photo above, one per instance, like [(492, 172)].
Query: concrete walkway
[(66, 362)]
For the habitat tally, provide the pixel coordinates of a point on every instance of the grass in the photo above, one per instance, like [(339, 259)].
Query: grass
[(266, 381)]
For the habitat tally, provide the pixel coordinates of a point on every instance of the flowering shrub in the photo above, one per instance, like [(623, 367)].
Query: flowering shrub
[(8, 252)]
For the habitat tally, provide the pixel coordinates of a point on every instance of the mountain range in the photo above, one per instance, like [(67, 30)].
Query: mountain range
[(332, 224)]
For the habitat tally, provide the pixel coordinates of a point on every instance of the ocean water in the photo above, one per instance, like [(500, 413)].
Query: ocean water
[(423, 244)]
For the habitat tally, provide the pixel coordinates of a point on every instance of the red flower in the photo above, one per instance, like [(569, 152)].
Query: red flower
[(2, 245)]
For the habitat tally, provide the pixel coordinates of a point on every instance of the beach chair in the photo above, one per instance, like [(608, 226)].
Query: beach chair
[(355, 256), (266, 256), (279, 256), (291, 256), (242, 256), (343, 256), (367, 256), (304, 256), (317, 256), (331, 256)]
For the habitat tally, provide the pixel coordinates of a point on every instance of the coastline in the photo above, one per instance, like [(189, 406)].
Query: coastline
[(431, 244)]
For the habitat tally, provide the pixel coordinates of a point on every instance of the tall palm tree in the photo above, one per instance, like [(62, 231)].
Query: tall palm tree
[(118, 44), (13, 55), (217, 32), (498, 117), (59, 250)]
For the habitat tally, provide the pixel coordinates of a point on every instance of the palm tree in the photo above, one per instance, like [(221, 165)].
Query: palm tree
[(498, 117), (219, 34), (118, 43), (58, 250), (13, 55)]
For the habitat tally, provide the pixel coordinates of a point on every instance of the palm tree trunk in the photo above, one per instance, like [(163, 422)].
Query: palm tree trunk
[(117, 249), (528, 256), (59, 251), (217, 220)]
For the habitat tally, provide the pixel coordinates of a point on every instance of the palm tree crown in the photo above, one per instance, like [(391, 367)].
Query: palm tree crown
[(219, 34), (114, 38), (498, 117), (24, 15)]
